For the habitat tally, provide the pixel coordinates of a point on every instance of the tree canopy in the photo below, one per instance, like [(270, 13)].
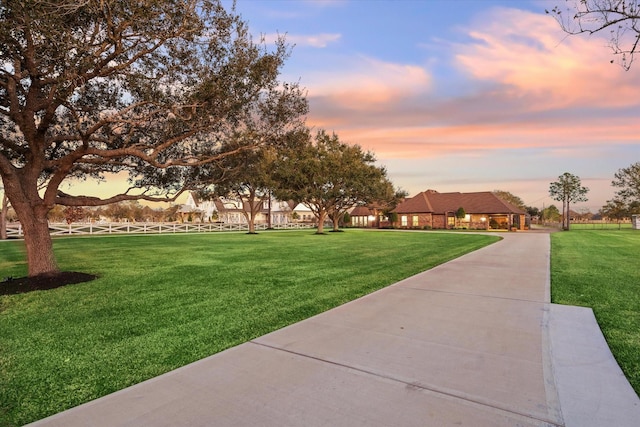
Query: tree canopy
[(628, 181), (510, 198), (551, 213), (567, 189), (150, 88), (329, 176), (247, 175), (626, 201)]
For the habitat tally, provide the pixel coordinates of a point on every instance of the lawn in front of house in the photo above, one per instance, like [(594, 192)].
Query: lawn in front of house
[(601, 269), (163, 301)]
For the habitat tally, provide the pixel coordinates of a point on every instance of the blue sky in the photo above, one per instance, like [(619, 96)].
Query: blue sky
[(461, 95)]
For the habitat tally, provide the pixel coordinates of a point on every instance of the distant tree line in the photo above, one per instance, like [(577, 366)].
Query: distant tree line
[(130, 211)]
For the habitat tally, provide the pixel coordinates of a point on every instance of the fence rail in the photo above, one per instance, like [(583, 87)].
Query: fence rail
[(587, 225), (14, 230)]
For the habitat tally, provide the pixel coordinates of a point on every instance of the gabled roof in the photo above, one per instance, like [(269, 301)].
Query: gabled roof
[(194, 197), (431, 201), (362, 211), (416, 204)]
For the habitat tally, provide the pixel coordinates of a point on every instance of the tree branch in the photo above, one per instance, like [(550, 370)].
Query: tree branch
[(69, 200)]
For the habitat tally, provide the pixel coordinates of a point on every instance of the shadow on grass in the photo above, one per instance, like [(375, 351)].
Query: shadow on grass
[(20, 285)]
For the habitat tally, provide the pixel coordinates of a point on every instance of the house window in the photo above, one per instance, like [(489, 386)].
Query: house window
[(403, 220), (451, 221), (415, 220)]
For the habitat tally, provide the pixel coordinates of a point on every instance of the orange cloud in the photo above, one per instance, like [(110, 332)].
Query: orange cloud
[(475, 140), (533, 58)]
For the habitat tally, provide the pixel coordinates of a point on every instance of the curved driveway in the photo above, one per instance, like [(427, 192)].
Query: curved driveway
[(472, 342)]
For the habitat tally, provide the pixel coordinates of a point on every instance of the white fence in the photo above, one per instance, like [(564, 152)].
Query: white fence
[(14, 230)]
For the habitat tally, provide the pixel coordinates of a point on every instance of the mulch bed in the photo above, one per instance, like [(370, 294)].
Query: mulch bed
[(20, 285)]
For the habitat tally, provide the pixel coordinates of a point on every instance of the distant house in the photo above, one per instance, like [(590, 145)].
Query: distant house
[(281, 212), (195, 210), (370, 216), (232, 211), (363, 216), (483, 210), (302, 213)]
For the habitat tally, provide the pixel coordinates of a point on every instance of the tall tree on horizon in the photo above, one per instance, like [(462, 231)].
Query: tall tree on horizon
[(567, 189)]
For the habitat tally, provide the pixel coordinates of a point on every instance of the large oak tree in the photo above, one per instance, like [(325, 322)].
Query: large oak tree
[(150, 88), (248, 175), (329, 176)]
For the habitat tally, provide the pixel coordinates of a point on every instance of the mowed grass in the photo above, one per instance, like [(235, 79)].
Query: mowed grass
[(601, 226), (163, 301), (601, 270)]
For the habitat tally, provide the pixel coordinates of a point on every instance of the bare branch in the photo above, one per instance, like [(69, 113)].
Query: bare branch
[(620, 17)]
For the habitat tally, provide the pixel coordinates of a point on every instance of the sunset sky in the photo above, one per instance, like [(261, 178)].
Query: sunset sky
[(458, 95)]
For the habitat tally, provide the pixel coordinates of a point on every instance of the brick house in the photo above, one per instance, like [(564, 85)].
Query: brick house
[(363, 216), (368, 217), (483, 210)]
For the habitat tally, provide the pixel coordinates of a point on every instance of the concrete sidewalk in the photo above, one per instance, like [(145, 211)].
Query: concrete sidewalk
[(472, 342)]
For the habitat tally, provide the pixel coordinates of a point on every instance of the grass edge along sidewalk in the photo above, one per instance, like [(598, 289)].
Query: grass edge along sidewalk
[(600, 269), (164, 301)]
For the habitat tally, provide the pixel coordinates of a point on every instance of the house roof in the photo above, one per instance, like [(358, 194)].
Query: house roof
[(362, 211), (194, 197), (431, 201)]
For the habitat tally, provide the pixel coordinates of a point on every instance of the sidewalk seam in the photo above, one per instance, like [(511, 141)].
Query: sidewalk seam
[(474, 295), (412, 385)]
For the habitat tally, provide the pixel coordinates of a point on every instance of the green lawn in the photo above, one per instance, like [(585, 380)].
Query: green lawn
[(163, 301), (601, 226), (601, 270)]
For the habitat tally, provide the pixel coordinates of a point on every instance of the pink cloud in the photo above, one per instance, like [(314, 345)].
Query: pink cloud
[(533, 58), (474, 140), (362, 83), (529, 87)]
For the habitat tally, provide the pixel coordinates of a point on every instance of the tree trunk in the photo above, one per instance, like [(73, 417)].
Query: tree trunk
[(252, 223), (3, 217), (32, 214), (321, 216), (40, 257), (336, 223)]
